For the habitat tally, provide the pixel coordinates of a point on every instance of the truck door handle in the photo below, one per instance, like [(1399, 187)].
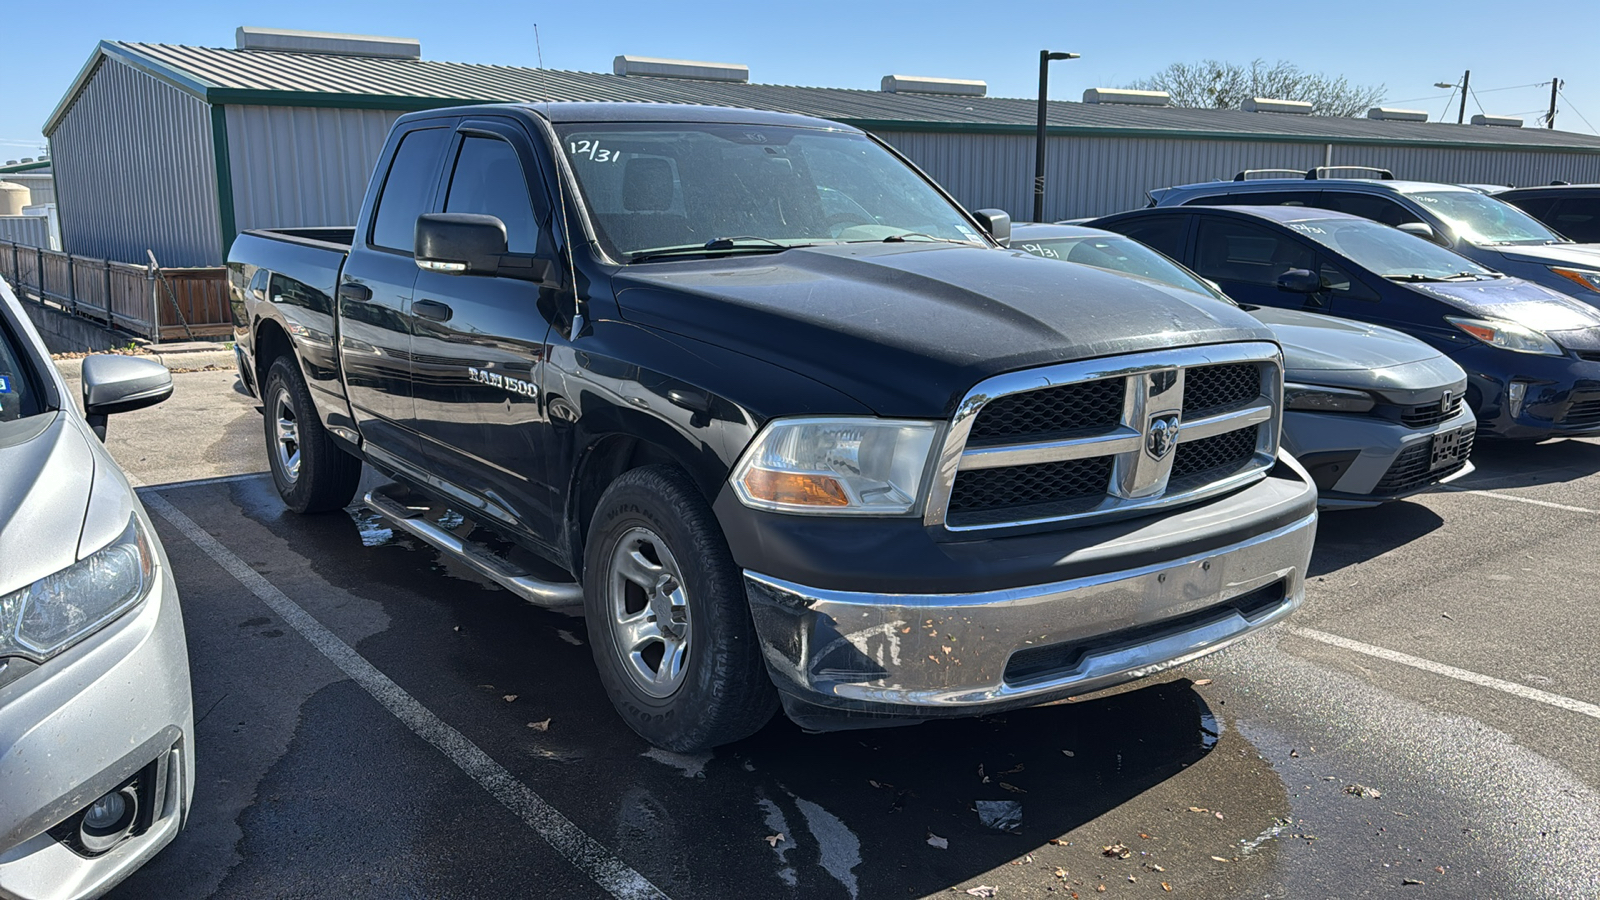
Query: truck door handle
[(432, 309), (355, 291)]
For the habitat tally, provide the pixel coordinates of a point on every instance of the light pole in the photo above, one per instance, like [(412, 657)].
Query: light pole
[(1466, 79), (1045, 56)]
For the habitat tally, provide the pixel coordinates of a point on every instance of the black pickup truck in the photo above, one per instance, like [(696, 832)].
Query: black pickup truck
[(787, 422)]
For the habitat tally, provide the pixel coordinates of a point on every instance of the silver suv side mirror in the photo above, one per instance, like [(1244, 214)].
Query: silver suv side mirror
[(116, 384)]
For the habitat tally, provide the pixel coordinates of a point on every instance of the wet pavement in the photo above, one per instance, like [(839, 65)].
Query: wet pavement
[(1287, 766)]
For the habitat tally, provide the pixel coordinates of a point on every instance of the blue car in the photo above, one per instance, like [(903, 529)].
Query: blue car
[(1532, 355)]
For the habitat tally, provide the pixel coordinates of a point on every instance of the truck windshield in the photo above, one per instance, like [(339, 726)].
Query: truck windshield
[(1485, 220), (1383, 251), (653, 187), (1119, 254)]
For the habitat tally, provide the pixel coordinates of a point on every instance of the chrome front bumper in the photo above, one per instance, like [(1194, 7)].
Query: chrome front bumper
[(926, 655)]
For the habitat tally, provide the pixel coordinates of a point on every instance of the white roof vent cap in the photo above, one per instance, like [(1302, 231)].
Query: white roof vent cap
[(287, 40), (918, 84), (656, 67), (1497, 121), (1397, 115), (1127, 96), (1285, 107)]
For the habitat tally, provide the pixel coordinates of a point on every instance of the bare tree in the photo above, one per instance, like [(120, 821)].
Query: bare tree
[(1214, 84)]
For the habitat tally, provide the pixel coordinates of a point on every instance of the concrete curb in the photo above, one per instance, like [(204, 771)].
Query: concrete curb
[(73, 368)]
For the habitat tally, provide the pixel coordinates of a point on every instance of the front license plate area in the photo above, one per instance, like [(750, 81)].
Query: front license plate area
[(1447, 447)]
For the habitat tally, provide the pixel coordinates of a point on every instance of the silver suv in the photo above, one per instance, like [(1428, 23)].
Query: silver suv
[(1485, 230)]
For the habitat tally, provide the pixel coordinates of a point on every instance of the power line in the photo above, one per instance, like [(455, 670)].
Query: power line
[(1575, 109), (1447, 103), (1416, 99), (1515, 87), (1477, 101)]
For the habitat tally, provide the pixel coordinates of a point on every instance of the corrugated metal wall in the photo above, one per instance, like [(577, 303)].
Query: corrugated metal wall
[(300, 167), (135, 169), (30, 231), (1091, 176)]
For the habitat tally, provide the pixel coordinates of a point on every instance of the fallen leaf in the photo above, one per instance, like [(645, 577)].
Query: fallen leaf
[(1013, 770), (1153, 867), (983, 890), (935, 841), (510, 697), (1166, 887), (774, 840), (1217, 814), (1069, 753), (946, 650), (1058, 842), (906, 630), (1061, 873), (1202, 682), (1221, 859), (1116, 851), (1011, 787), (982, 777), (1361, 790), (1198, 809), (1145, 836), (458, 627), (1133, 879), (1101, 889), (540, 726), (1412, 881), (1439, 869)]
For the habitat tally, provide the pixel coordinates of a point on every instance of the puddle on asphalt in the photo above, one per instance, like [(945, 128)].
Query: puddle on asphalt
[(373, 528)]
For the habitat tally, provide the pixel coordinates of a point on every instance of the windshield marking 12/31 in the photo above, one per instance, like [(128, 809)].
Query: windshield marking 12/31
[(716, 188), (1387, 253)]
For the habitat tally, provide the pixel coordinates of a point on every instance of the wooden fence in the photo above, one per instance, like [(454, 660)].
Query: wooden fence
[(159, 304)]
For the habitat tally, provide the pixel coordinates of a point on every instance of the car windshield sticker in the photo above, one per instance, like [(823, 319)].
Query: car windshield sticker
[(5, 385)]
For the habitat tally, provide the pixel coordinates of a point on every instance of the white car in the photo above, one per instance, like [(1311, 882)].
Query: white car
[(96, 716)]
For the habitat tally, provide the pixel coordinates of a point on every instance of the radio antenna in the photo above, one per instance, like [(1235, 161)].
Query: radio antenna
[(536, 45)]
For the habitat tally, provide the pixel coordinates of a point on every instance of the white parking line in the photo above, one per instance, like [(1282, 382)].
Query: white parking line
[(1528, 500), (584, 852), (1428, 665)]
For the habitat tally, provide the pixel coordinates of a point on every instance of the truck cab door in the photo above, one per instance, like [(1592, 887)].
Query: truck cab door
[(478, 348), (374, 296)]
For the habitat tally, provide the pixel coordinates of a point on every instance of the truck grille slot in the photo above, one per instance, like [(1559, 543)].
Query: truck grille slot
[(1429, 414), (1222, 455), (1014, 487), (1105, 436), (1212, 389), (1052, 410)]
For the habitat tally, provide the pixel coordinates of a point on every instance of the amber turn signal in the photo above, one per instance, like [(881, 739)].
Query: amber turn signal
[(802, 489)]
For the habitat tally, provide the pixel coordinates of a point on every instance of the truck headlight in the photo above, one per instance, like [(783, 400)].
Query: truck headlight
[(45, 617), (1507, 335), (845, 466), (1588, 279), (1314, 398)]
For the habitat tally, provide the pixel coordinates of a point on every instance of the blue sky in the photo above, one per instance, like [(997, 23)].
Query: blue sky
[(1404, 46)]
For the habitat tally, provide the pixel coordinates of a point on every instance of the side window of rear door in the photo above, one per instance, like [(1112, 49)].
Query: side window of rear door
[(1367, 206), (1576, 217), (407, 190), (488, 179), (1246, 258)]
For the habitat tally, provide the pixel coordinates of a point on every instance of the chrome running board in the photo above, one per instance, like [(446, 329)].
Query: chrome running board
[(411, 519)]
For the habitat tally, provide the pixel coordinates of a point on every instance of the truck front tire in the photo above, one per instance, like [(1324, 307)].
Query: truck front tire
[(312, 473), (668, 619)]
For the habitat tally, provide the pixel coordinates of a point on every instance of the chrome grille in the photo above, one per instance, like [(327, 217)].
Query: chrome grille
[(1113, 435)]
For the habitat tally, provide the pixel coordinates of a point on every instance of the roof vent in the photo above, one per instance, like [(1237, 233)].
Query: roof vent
[(1397, 115), (11, 162), (284, 40), (1287, 107), (917, 84), (1499, 121), (680, 68), (1127, 96), (26, 159)]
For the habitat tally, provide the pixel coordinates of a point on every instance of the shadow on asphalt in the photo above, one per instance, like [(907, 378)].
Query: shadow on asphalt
[(1519, 463), (1351, 536)]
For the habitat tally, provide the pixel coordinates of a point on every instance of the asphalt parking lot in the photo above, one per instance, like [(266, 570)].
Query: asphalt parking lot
[(374, 722)]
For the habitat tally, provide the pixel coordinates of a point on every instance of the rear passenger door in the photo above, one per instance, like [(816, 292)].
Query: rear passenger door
[(1246, 258), (479, 345), (1575, 217)]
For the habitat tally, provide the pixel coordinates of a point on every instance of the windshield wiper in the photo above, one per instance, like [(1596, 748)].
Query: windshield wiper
[(905, 236), (718, 245)]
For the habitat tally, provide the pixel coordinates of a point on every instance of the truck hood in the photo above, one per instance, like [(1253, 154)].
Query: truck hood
[(1570, 323), (906, 329), (46, 470)]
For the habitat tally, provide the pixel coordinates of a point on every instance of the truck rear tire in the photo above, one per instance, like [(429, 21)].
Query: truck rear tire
[(312, 473), (668, 619)]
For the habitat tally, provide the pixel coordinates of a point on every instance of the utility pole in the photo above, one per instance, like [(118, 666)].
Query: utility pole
[(1045, 56), (1550, 120), (1461, 117)]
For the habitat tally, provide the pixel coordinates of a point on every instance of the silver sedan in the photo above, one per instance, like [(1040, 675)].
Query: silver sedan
[(96, 716)]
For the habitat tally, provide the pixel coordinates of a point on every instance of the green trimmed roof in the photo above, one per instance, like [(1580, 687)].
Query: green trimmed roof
[(224, 76), (26, 167)]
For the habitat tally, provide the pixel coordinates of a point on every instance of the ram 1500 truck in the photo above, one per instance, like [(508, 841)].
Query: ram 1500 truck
[(788, 423)]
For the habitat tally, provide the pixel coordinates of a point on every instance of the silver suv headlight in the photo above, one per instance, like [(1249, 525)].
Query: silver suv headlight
[(56, 611), (843, 466)]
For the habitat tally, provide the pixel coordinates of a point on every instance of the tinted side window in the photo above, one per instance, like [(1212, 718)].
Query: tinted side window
[(1163, 233), (1336, 279), (1538, 206), (488, 180), (1258, 198), (407, 189), (1367, 206), (1577, 218), (1230, 250)]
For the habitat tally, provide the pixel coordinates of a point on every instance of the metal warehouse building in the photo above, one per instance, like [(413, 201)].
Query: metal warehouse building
[(178, 148)]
